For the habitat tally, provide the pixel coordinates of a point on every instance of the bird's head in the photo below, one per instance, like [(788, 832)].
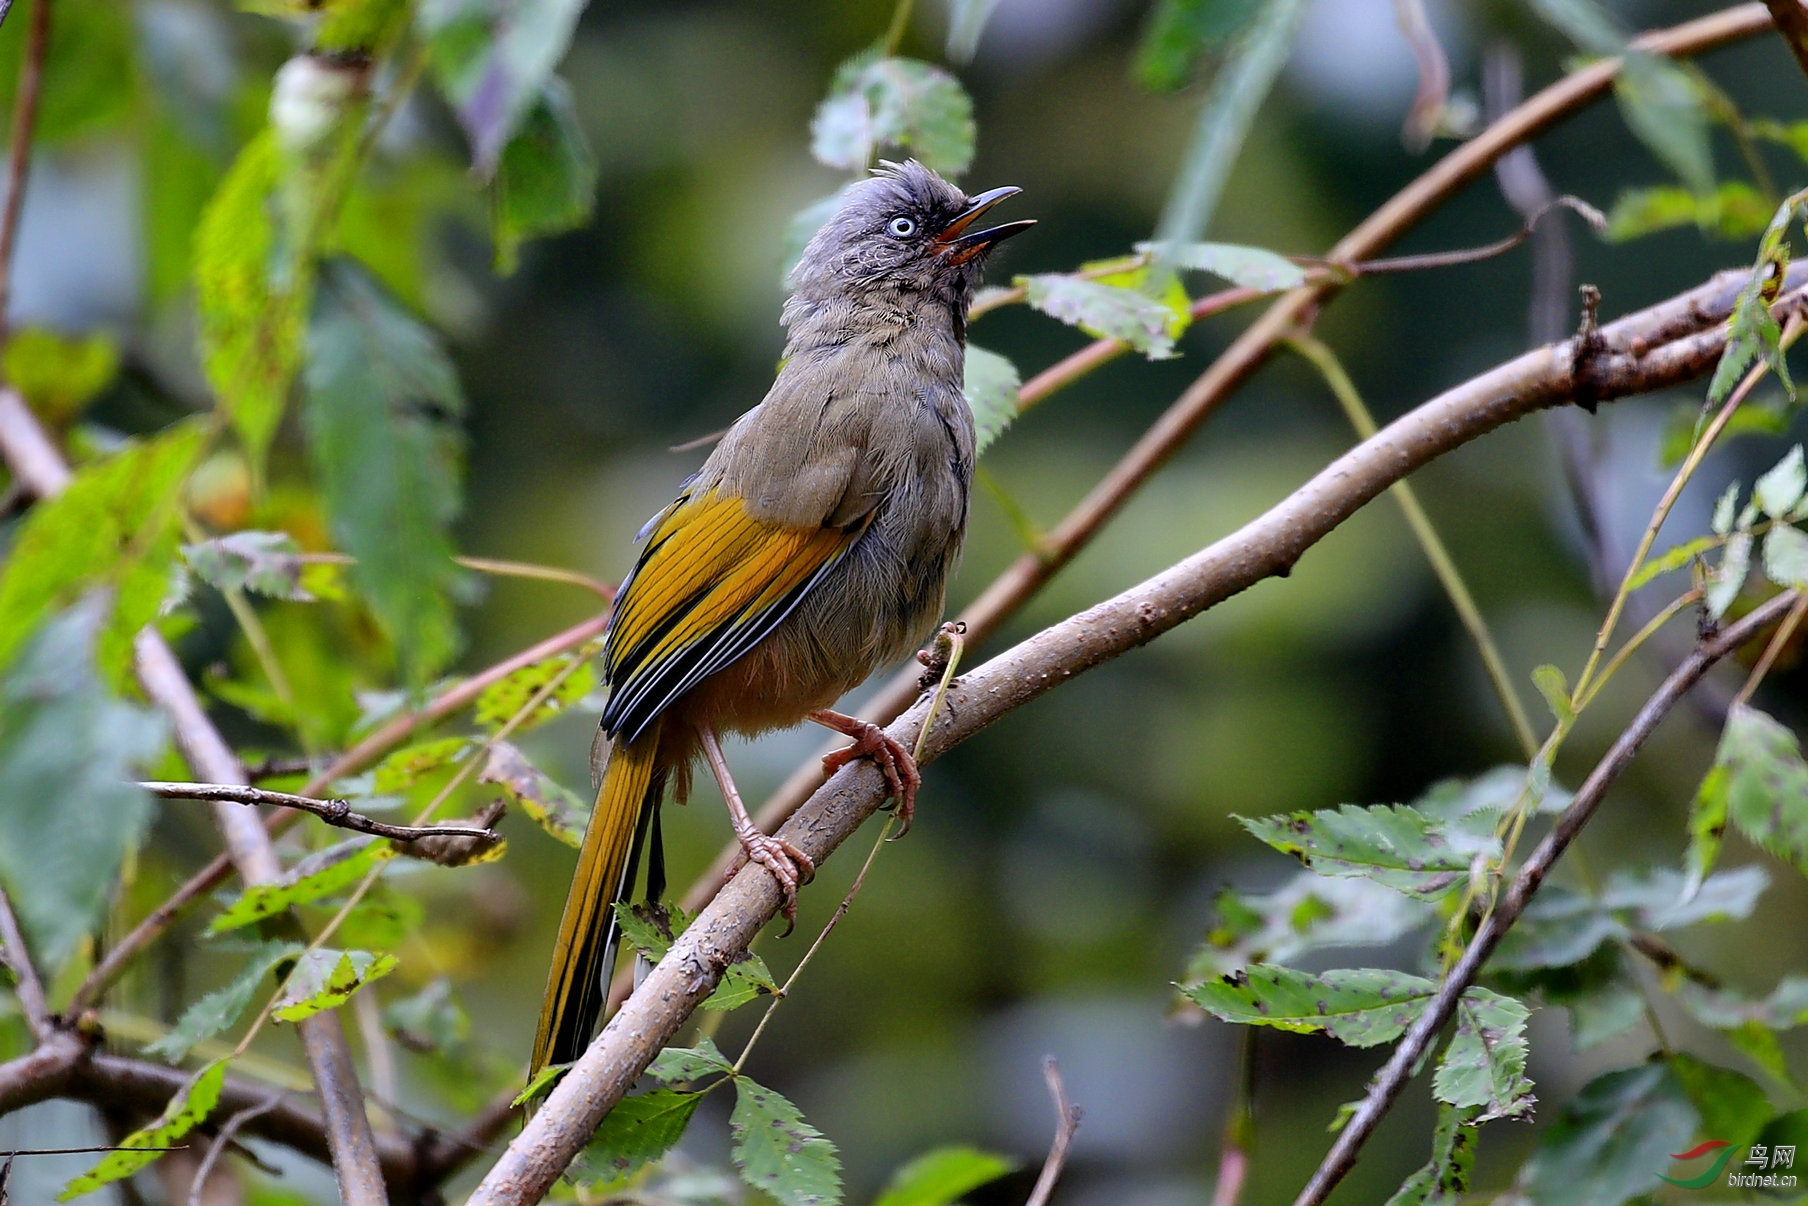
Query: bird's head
[(905, 234)]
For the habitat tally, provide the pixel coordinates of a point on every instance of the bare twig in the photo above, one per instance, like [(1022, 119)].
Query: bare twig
[(334, 812), (1792, 22), (1427, 112), (1067, 1121), (1665, 345), (26, 985), (1392, 1078), (18, 164), (221, 1142)]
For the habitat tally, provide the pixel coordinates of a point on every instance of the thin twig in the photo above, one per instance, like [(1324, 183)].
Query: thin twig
[(1393, 1077), (1427, 113), (337, 813), (18, 163), (222, 1140), (1792, 22), (26, 985), (1067, 1121), (1775, 646)]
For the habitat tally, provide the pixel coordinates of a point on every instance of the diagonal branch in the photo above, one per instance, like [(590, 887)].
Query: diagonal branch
[(1668, 344), (16, 956), (1391, 1080)]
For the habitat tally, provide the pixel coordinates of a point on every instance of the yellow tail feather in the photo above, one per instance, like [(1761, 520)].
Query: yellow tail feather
[(576, 989)]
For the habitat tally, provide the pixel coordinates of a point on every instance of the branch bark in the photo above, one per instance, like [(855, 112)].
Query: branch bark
[(1391, 1080), (1792, 22), (1675, 341), (26, 986), (337, 813)]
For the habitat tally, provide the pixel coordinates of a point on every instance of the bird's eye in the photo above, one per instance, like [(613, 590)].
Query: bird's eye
[(902, 226)]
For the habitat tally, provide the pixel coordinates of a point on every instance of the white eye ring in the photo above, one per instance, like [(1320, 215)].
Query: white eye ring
[(902, 226)]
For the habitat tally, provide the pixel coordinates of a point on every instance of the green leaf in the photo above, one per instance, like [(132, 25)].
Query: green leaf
[(1779, 490), (541, 1083), (407, 766), (1754, 333), (326, 979), (1725, 508), (1707, 821), (188, 1109), (1767, 416), (1391, 844), (59, 376), (1728, 578), (1558, 927), (1767, 783), (879, 103), (1105, 311), (640, 1130), (942, 1176), (1483, 799), (430, 1020), (674, 1065), (990, 387), (1732, 1105), (360, 26), (1734, 210), (217, 1011), (546, 182), (1180, 32), (380, 394), (492, 59), (1555, 688), (1484, 1065), (778, 1152), (1250, 267), (651, 929), (1672, 559), (1786, 556), (1309, 913), (1444, 1179), (115, 526), (1725, 1009), (1664, 109), (504, 698), (267, 563), (553, 808), (1358, 1006), (330, 871), (252, 300), (1661, 899), (966, 22), (1610, 1143), (69, 806)]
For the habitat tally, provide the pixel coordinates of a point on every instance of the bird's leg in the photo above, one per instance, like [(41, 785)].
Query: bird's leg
[(789, 865), (870, 741)]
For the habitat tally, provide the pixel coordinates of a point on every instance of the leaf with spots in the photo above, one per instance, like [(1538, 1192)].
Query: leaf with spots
[(1485, 1063), (677, 1064), (640, 1130), (553, 807), (1445, 1177), (332, 870), (188, 1109), (778, 1152), (502, 700), (1309, 913), (878, 103), (1392, 844), (650, 928), (1358, 1006), (326, 979), (1759, 782)]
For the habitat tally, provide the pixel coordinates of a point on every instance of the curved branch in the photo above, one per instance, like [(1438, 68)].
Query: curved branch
[(337, 813), (1665, 345)]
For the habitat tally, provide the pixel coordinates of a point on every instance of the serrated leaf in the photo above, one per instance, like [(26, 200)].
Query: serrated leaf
[(1484, 1065), (876, 103), (188, 1109), (251, 300), (1357, 1006), (1728, 578), (553, 808), (1780, 488), (502, 700), (58, 375), (990, 387), (651, 928), (492, 59), (1785, 552), (114, 526), (1609, 1143), (546, 182), (69, 806), (1444, 1179), (1732, 1105), (1725, 508), (267, 563), (1766, 786), (942, 1176), (640, 1130), (217, 1011), (778, 1152), (332, 870), (1311, 912), (1249, 267), (1179, 32), (381, 395), (326, 979), (1105, 311), (403, 768), (1753, 333), (1391, 844), (1555, 688), (675, 1065)]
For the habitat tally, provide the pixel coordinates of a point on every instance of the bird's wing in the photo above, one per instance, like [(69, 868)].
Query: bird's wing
[(710, 583)]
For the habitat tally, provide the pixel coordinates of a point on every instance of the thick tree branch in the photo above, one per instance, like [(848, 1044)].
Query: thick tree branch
[(1668, 344), (1388, 1083), (1006, 594), (337, 813)]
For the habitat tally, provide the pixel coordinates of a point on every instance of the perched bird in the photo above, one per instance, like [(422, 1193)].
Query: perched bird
[(812, 547)]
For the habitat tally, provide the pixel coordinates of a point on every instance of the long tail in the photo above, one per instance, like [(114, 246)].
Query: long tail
[(576, 989)]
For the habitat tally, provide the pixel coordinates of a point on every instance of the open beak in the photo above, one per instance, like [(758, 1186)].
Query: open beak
[(960, 244)]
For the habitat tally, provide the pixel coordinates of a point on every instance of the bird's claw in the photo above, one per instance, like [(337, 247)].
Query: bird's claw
[(789, 865), (900, 768)]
